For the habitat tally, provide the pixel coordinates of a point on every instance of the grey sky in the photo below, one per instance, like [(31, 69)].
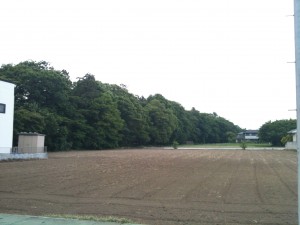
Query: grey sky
[(224, 56)]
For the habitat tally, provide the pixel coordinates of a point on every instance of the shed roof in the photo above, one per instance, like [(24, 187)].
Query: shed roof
[(294, 131)]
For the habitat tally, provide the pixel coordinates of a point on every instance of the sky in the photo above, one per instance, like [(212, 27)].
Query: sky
[(232, 57)]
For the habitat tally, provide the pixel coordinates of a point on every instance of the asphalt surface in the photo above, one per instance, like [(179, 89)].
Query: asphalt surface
[(11, 219)]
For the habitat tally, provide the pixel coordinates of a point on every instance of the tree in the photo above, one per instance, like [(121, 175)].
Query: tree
[(162, 122), (181, 131), (231, 136), (135, 129), (27, 121), (41, 100), (197, 127), (286, 139), (97, 114), (88, 114), (274, 131), (38, 83)]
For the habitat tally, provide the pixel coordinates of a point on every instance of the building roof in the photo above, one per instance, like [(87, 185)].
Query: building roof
[(249, 131), (6, 83), (294, 131)]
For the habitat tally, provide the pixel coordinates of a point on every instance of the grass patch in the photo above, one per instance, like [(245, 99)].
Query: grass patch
[(92, 218), (227, 145)]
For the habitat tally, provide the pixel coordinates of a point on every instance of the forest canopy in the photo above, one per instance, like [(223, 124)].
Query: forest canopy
[(273, 132), (89, 114)]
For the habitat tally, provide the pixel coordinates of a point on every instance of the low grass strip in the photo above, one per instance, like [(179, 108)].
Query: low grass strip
[(224, 145), (93, 218)]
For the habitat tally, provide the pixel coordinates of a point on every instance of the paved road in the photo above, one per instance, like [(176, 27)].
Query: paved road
[(10, 219)]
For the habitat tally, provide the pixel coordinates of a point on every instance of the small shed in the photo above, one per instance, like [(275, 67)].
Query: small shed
[(292, 144), (31, 143)]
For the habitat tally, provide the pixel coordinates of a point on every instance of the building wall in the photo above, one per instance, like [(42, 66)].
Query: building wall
[(291, 145), (251, 135), (7, 118), (31, 143)]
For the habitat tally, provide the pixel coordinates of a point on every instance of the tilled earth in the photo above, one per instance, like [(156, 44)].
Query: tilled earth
[(157, 186)]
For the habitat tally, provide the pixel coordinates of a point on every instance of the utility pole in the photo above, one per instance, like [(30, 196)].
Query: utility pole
[(297, 59)]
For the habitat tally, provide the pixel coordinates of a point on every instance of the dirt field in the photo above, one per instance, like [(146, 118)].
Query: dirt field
[(157, 187)]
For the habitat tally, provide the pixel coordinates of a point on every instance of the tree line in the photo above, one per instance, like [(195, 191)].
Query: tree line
[(89, 114), (276, 132)]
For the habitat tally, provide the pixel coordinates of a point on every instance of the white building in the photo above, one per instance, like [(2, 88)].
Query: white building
[(7, 100), (292, 144), (248, 136)]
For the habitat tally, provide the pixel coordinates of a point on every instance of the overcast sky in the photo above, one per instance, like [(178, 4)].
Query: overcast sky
[(223, 56)]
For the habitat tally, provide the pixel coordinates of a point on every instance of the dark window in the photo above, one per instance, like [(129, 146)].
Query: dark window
[(2, 108)]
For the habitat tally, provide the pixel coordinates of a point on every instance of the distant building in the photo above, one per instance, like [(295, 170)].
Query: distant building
[(7, 99), (248, 136)]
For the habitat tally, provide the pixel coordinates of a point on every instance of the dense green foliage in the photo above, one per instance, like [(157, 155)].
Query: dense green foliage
[(286, 138), (88, 114), (273, 132)]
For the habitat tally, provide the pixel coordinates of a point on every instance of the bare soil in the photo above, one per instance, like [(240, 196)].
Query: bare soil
[(156, 186)]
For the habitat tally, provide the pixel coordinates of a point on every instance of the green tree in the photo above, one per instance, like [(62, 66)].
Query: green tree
[(162, 122), (40, 92), (231, 136), (209, 128), (27, 121), (38, 83), (135, 129), (182, 130), (286, 139), (88, 114), (198, 129), (97, 115), (274, 131)]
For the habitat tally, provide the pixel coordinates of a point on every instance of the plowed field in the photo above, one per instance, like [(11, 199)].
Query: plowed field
[(157, 187)]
